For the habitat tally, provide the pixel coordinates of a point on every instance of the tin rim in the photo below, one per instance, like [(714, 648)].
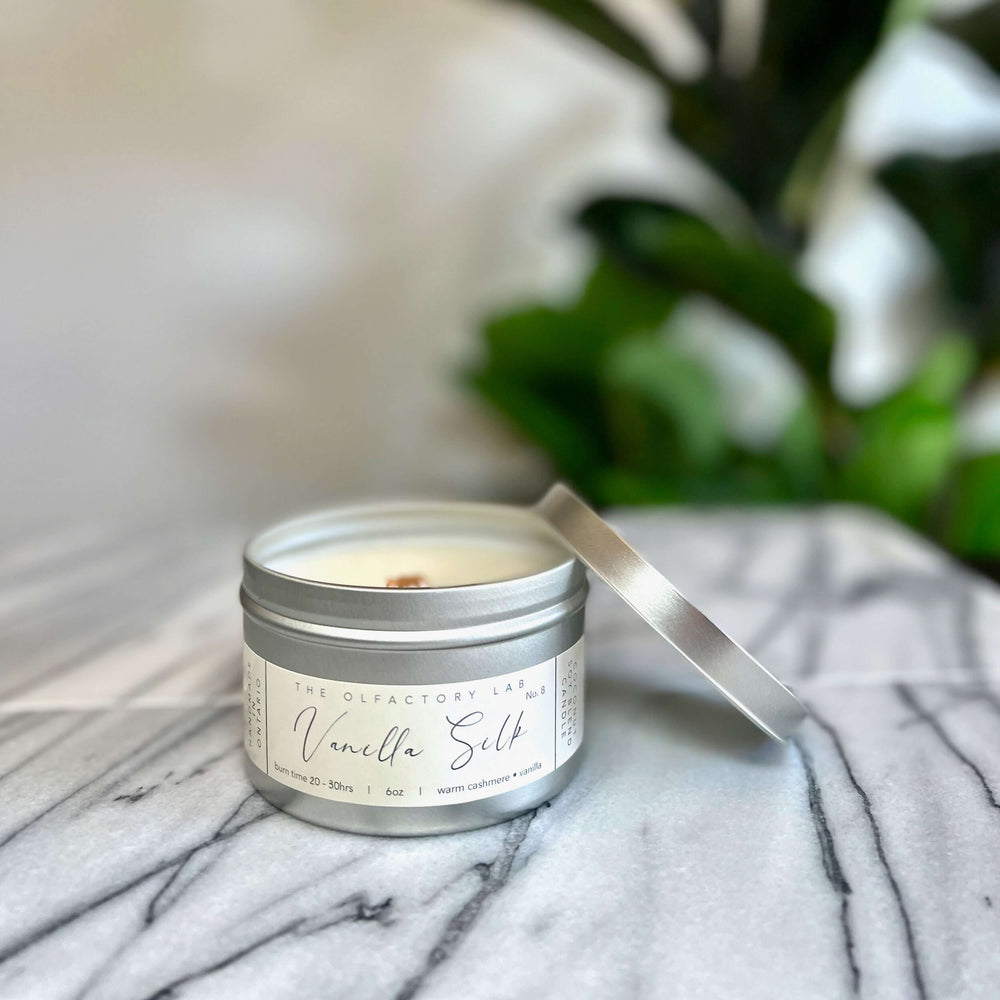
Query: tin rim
[(336, 611)]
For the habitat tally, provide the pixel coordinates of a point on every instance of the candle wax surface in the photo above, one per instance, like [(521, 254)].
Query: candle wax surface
[(442, 562)]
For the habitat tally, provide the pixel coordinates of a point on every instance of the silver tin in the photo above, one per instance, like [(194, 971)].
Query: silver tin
[(403, 637)]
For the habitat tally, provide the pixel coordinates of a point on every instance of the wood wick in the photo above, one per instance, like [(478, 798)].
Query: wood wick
[(407, 581)]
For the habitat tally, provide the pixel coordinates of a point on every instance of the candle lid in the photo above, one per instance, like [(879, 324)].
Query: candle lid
[(760, 696)]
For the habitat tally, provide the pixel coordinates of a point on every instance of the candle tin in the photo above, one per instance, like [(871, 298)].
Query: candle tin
[(381, 707), (414, 710)]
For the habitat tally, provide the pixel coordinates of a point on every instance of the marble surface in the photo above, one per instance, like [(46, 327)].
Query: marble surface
[(689, 859)]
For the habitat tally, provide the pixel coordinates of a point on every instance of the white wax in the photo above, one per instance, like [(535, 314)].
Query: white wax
[(442, 562)]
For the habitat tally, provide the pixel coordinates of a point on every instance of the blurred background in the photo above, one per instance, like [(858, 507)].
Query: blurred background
[(256, 257)]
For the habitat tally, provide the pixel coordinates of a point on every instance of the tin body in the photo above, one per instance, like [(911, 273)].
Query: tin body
[(411, 711)]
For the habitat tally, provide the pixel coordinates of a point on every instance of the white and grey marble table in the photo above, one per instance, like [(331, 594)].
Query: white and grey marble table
[(690, 859)]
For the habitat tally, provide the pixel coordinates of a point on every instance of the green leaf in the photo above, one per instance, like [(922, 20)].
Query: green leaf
[(945, 371), (672, 405), (907, 445), (800, 452), (751, 479), (980, 30), (616, 486), (973, 527), (673, 247), (807, 174), (570, 342), (906, 450), (571, 445), (541, 340), (957, 204), (619, 301), (542, 366)]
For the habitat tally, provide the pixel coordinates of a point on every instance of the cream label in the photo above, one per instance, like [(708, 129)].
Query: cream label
[(413, 744)]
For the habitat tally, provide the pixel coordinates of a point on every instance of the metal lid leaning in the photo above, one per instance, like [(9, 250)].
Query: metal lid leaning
[(759, 695)]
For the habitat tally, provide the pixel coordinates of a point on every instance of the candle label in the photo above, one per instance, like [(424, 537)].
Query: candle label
[(413, 744)]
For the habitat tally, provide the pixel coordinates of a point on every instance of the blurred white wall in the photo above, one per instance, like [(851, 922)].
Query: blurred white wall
[(243, 245)]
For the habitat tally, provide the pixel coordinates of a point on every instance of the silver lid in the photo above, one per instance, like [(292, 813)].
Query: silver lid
[(760, 696)]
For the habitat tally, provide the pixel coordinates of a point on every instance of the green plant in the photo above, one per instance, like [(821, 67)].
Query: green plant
[(631, 416)]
